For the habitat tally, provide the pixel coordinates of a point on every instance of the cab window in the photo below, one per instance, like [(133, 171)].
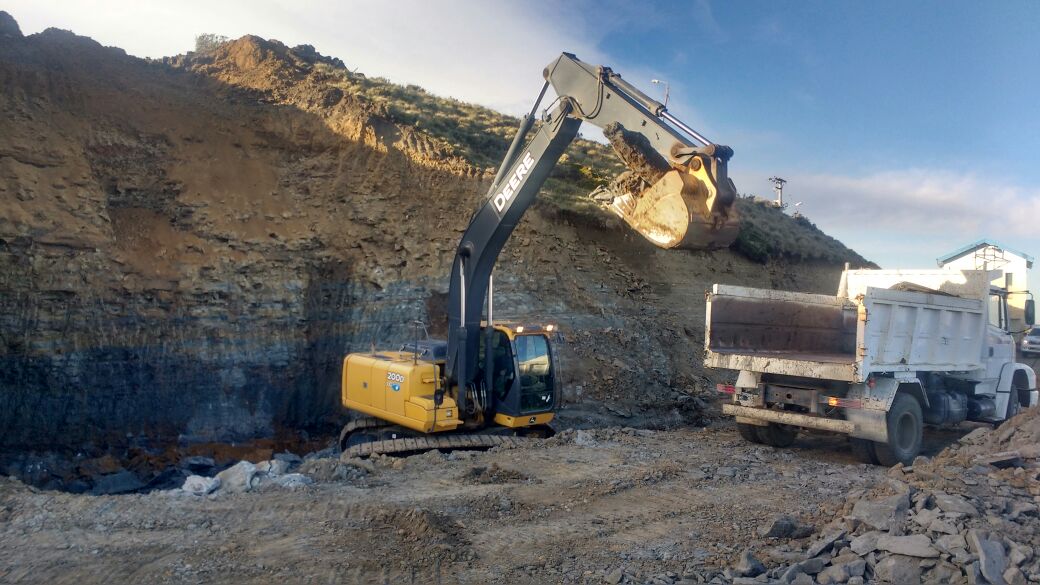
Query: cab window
[(536, 373), (997, 314)]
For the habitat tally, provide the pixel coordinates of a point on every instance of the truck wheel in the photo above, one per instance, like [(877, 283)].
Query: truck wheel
[(863, 449), (776, 435), (905, 425), (749, 432)]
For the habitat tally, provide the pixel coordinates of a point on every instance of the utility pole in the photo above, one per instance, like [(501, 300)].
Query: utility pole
[(659, 82), (778, 186)]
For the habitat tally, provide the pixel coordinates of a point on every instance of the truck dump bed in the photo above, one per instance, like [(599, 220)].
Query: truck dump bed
[(838, 338), (781, 332)]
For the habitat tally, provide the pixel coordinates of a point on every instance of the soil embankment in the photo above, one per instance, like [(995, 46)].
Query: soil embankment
[(188, 247)]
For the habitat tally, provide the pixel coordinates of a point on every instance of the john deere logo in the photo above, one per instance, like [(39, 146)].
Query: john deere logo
[(532, 419), (523, 168)]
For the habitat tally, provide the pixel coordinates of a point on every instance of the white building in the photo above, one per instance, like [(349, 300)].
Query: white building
[(987, 254)]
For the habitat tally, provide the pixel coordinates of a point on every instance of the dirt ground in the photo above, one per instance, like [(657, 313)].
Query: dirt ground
[(579, 508), (192, 238)]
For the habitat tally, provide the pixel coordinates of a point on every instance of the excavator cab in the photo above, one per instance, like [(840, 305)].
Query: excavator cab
[(518, 378)]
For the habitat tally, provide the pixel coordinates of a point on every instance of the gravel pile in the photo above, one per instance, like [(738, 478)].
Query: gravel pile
[(969, 515)]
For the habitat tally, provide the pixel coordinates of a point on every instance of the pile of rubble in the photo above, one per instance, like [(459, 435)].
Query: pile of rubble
[(245, 476), (970, 515)]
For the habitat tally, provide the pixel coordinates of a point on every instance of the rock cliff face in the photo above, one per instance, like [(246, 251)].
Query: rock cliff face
[(189, 247)]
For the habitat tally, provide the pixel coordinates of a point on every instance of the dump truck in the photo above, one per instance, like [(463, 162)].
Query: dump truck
[(891, 352)]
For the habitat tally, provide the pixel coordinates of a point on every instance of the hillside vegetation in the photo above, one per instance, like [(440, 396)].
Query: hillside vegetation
[(480, 136)]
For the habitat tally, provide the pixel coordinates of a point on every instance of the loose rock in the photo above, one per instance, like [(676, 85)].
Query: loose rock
[(898, 569), (992, 562), (785, 527), (200, 486), (1013, 576), (916, 545), (865, 543), (825, 542), (882, 514), (749, 566), (238, 478), (833, 574), (292, 480), (952, 503)]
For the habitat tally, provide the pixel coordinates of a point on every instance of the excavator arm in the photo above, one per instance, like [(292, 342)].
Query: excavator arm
[(688, 201)]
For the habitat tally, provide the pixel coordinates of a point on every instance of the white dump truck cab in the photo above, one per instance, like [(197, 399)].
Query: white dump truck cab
[(893, 351)]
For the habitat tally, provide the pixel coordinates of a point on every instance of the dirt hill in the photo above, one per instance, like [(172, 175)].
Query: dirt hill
[(189, 246)]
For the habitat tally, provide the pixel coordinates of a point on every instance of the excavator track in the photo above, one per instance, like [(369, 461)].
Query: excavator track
[(366, 423), (412, 445)]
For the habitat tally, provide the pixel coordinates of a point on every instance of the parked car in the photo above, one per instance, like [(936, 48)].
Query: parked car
[(1030, 344)]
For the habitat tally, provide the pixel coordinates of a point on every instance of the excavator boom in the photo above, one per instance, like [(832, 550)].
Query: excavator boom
[(681, 195)]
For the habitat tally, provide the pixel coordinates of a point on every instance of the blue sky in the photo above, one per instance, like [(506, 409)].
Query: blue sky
[(906, 129)]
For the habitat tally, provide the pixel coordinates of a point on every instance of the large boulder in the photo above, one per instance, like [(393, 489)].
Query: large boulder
[(200, 486), (293, 480), (238, 478), (273, 468)]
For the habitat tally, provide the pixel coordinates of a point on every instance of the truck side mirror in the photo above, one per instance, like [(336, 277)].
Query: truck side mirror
[(1030, 312)]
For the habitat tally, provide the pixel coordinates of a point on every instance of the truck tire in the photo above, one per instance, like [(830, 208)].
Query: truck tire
[(776, 435), (863, 449), (749, 432), (905, 428)]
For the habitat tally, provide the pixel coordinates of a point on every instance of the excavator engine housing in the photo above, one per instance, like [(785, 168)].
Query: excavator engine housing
[(396, 387)]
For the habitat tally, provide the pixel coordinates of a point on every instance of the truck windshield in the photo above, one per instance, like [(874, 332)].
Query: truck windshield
[(536, 373)]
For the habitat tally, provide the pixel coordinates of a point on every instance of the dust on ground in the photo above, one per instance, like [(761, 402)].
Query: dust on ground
[(576, 508)]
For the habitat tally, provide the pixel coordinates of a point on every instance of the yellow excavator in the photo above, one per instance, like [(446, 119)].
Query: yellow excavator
[(491, 382)]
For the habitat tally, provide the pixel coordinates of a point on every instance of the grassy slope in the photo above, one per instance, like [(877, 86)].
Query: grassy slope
[(481, 136)]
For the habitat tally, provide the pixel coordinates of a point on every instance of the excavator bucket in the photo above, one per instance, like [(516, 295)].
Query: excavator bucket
[(680, 210), (686, 202)]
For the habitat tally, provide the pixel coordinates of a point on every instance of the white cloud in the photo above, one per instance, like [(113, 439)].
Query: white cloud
[(924, 201), (909, 217)]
